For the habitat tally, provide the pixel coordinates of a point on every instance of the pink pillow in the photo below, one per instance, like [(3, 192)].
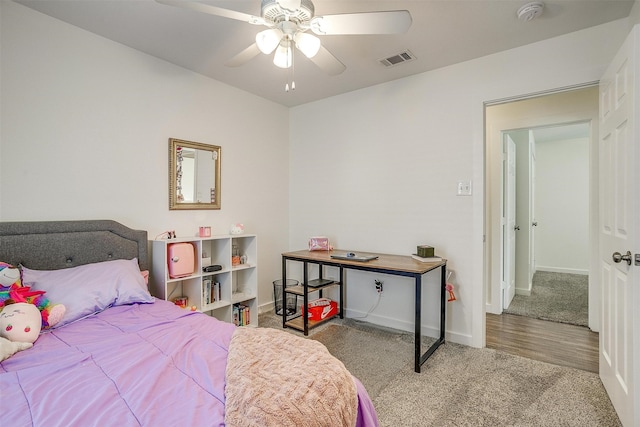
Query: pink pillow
[(90, 288)]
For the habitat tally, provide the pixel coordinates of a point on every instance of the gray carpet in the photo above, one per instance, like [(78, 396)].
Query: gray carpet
[(558, 297), (459, 385)]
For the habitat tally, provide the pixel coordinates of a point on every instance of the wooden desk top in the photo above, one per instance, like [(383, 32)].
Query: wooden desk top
[(399, 263)]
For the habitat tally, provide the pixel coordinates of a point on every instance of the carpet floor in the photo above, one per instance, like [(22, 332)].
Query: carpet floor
[(460, 385), (557, 297)]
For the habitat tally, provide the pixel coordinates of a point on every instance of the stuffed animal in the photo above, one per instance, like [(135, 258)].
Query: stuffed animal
[(20, 322), (12, 291), (237, 228), (9, 348), (19, 328)]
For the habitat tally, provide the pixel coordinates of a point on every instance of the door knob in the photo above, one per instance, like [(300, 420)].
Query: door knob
[(617, 257)]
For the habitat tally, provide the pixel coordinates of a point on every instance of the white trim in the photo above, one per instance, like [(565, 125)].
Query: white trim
[(563, 270)]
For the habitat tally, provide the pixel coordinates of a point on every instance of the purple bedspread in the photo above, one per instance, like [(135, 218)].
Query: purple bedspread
[(142, 364)]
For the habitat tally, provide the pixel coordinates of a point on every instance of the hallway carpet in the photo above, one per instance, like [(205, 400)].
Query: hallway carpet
[(558, 297)]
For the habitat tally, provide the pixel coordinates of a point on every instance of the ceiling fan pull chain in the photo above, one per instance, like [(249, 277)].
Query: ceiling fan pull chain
[(290, 75), (293, 69)]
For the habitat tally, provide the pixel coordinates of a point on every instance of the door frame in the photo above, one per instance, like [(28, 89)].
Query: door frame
[(571, 108)]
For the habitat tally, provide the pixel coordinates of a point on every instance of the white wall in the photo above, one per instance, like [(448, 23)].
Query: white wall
[(634, 16), (85, 129), (376, 169), (562, 206)]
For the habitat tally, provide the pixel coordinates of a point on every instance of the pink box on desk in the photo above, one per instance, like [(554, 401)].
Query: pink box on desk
[(181, 259)]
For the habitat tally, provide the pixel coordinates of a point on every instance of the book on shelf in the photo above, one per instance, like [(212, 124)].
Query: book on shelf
[(241, 315), (206, 290), (215, 292), (426, 259)]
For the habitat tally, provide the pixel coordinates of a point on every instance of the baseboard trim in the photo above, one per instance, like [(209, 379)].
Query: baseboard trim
[(402, 325), (524, 292), (563, 270)]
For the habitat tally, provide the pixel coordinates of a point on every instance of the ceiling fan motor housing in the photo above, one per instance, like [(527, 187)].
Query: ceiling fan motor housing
[(272, 11)]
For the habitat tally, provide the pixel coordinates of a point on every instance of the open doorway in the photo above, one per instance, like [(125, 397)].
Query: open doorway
[(520, 120), (546, 252)]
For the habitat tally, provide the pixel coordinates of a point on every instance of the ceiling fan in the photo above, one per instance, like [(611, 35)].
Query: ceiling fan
[(288, 23)]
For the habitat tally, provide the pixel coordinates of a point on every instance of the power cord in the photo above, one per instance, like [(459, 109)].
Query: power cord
[(373, 307)]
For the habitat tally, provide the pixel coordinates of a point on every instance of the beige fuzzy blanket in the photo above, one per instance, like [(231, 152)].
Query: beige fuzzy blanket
[(274, 378)]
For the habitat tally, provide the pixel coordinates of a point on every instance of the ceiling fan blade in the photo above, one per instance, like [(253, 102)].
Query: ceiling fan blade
[(213, 10), (244, 56), (391, 22), (327, 62)]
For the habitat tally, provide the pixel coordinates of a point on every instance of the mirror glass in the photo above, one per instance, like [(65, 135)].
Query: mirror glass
[(194, 175)]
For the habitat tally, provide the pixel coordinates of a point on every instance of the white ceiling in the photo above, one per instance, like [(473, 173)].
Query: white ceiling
[(443, 32)]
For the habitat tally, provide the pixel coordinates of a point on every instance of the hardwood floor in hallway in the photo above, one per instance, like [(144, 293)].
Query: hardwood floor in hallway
[(557, 343)]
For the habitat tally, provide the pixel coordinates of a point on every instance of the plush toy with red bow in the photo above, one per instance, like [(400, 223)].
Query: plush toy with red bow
[(12, 291)]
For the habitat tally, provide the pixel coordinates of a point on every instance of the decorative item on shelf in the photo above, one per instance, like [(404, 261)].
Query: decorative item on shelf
[(180, 259), (205, 232), (237, 228), (243, 259), (426, 251), (235, 256), (171, 234), (181, 302)]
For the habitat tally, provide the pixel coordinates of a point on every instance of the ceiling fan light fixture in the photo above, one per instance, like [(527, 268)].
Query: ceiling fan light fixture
[(268, 40), (283, 55), (307, 43)]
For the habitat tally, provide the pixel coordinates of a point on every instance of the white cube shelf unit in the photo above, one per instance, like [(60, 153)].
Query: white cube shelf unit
[(238, 284)]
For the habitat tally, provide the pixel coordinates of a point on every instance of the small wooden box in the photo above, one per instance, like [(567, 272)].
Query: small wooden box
[(425, 251)]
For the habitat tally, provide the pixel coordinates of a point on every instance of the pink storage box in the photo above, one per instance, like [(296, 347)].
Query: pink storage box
[(181, 259)]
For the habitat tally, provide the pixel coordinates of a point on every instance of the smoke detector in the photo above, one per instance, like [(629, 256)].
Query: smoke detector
[(530, 11)]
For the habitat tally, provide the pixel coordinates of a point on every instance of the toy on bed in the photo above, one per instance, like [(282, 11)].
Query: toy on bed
[(19, 328), (12, 291)]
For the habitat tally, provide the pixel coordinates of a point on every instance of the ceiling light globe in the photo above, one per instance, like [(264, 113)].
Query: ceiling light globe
[(308, 44), (268, 40), (283, 55)]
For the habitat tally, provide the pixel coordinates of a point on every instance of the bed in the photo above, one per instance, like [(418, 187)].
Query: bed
[(121, 357)]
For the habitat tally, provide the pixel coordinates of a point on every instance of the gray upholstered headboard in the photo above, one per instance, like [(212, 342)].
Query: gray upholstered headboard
[(52, 245)]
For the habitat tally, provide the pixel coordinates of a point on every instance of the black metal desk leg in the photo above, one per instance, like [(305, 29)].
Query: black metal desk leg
[(305, 298), (443, 300), (284, 296), (418, 321), (341, 287)]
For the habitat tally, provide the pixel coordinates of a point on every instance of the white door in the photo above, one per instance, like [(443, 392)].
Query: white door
[(509, 232), (619, 154), (532, 209)]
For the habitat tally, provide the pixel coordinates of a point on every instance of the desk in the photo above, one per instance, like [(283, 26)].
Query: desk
[(396, 265)]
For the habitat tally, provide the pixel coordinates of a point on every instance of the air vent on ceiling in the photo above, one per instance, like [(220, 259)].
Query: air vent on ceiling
[(397, 59)]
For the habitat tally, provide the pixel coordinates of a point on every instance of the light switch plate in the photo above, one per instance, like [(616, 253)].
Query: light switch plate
[(464, 188)]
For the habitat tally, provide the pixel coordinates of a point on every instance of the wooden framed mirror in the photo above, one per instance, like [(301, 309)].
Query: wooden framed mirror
[(194, 175)]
